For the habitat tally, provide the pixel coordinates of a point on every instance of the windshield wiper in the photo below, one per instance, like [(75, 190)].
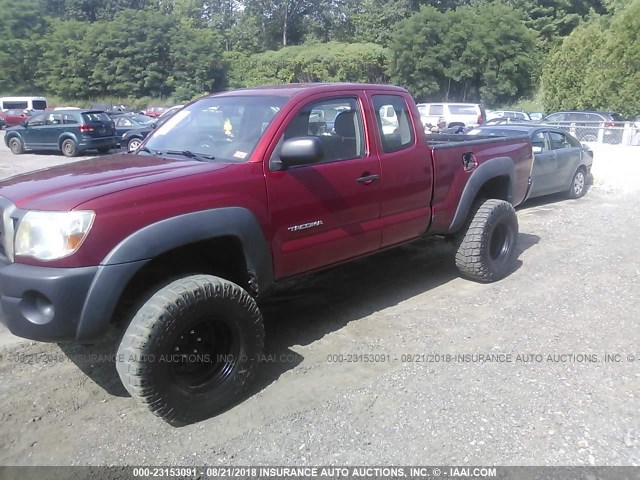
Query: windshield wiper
[(145, 150), (201, 157)]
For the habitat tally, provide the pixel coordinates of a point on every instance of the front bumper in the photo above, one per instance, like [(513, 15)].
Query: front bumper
[(42, 303), (62, 304)]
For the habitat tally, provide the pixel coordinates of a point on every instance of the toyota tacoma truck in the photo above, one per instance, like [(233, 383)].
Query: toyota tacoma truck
[(179, 241)]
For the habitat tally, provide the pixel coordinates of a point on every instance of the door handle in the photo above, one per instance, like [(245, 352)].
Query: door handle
[(367, 179)]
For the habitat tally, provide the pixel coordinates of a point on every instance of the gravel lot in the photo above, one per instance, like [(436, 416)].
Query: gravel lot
[(573, 295)]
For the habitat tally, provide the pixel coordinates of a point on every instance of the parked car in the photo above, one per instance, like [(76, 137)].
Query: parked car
[(561, 163), (155, 112), (505, 121), (170, 111), (14, 117), (110, 108), (70, 131), (180, 240), (512, 114), (132, 139), (536, 116), (130, 121), (452, 114), (589, 126)]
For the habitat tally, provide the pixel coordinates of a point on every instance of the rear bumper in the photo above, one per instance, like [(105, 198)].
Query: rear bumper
[(101, 142)]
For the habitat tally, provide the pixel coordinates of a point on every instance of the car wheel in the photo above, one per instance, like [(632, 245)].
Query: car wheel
[(192, 349), (486, 249), (104, 149), (578, 186), (69, 148), (16, 146), (133, 144)]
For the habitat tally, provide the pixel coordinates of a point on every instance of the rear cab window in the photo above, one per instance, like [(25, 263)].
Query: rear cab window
[(394, 135)]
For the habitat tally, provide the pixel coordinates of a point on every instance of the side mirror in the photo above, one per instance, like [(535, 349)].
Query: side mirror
[(300, 151), (536, 149)]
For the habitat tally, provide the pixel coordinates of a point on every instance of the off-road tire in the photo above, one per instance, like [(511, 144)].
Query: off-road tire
[(486, 249), (16, 146), (578, 185), (146, 359), (69, 148)]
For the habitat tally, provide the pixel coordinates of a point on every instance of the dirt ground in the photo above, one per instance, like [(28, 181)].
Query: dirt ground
[(435, 399)]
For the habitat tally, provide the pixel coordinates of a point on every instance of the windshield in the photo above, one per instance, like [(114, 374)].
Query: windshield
[(221, 128), (143, 119)]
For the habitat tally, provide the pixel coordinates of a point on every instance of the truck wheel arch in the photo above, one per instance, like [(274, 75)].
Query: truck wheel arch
[(496, 176), (137, 250)]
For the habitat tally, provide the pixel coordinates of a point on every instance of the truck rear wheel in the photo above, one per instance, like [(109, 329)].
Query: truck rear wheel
[(486, 251), (192, 349)]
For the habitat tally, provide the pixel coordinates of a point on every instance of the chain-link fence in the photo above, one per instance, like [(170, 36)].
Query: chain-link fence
[(616, 133)]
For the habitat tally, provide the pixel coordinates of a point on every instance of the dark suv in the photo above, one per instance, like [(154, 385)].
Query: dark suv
[(603, 127), (70, 131)]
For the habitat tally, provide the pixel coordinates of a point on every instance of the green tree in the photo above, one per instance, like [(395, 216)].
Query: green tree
[(326, 62), (196, 62), (21, 27), (564, 77), (375, 19), (597, 66), (476, 52)]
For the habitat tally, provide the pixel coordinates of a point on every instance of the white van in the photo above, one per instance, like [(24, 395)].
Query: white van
[(23, 103), (452, 114)]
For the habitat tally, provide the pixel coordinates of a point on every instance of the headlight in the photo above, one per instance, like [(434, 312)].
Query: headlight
[(52, 235)]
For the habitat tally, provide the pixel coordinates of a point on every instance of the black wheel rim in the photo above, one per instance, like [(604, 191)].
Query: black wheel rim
[(500, 242), (204, 355)]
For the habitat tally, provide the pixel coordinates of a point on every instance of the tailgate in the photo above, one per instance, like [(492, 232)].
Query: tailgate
[(100, 124)]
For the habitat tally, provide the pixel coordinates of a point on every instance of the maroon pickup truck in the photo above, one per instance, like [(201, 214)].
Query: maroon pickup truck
[(179, 241)]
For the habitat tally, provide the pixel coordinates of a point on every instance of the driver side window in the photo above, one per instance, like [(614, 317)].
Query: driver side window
[(336, 122), (36, 121), (538, 143)]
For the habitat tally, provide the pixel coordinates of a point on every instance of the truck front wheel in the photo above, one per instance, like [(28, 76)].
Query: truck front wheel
[(192, 349), (486, 251)]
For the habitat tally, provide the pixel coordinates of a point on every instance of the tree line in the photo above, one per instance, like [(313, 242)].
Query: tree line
[(494, 51)]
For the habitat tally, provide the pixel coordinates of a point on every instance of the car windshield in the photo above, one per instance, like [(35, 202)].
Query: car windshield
[(142, 119), (221, 128)]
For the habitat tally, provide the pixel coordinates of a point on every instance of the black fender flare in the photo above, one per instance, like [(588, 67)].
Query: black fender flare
[(132, 253), (495, 167)]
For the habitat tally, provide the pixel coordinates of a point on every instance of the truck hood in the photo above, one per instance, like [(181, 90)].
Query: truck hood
[(64, 187)]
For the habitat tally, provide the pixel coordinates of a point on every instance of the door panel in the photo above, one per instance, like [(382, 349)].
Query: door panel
[(566, 156), (406, 173), (326, 212), (32, 134), (545, 166), (50, 132)]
